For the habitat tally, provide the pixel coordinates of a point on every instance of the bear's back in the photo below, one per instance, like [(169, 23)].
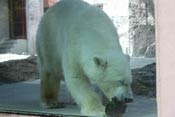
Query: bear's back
[(74, 24)]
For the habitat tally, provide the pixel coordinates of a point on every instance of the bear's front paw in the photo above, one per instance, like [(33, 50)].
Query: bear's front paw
[(52, 105), (95, 111)]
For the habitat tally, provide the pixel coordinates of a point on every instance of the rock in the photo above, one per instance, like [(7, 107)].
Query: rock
[(18, 70), (141, 26), (150, 52), (144, 80)]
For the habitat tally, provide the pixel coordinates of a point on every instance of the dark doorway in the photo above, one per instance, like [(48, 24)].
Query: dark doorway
[(17, 19)]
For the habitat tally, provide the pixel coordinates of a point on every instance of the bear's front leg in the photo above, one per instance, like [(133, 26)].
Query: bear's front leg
[(82, 93), (84, 96), (87, 99)]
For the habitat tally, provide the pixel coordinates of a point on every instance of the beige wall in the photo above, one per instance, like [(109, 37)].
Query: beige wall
[(4, 20), (165, 37)]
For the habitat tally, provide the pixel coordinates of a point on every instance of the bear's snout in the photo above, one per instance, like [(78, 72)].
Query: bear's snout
[(123, 94)]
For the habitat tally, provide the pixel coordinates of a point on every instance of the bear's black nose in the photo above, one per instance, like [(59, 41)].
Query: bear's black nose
[(128, 100), (125, 100)]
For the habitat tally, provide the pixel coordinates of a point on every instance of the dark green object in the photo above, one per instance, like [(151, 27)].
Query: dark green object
[(115, 108)]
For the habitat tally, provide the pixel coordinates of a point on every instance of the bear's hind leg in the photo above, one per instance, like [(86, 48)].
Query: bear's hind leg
[(49, 90)]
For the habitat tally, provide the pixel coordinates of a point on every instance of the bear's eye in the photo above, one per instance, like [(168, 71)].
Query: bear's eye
[(100, 62)]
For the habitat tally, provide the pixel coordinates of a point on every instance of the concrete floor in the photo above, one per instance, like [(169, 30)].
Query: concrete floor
[(24, 98)]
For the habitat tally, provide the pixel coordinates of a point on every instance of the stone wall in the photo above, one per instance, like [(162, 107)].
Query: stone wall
[(4, 20), (34, 11), (142, 28)]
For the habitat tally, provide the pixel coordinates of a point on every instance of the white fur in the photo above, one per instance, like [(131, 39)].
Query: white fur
[(70, 36)]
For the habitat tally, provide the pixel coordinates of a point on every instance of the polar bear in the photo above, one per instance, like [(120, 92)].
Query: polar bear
[(78, 42)]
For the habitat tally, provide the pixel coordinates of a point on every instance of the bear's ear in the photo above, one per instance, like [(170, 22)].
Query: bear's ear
[(100, 62), (128, 57)]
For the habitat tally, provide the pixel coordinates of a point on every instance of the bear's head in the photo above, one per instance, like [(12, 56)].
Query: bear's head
[(112, 75)]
